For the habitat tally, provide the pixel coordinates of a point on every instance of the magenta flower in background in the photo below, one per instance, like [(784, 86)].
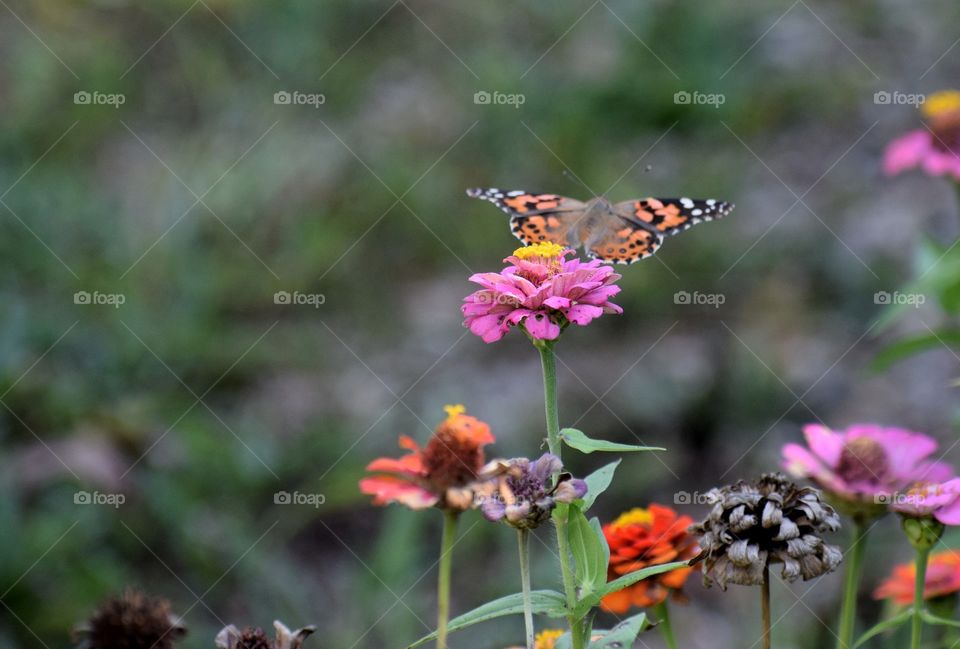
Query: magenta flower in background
[(542, 292), (936, 148), (865, 464), (936, 499)]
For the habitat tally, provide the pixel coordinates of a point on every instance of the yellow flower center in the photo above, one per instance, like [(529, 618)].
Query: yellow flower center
[(638, 515), (545, 250), (454, 411), (941, 103), (546, 639)]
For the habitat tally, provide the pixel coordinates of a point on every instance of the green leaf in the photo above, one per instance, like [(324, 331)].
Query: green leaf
[(578, 440), (547, 602), (930, 618), (586, 603), (886, 625), (622, 635), (589, 549), (914, 345), (597, 483)]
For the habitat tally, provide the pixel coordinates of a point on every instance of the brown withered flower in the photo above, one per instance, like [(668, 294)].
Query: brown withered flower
[(132, 620), (230, 637), (757, 524)]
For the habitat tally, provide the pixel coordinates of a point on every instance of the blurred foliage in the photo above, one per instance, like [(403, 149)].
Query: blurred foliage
[(198, 199)]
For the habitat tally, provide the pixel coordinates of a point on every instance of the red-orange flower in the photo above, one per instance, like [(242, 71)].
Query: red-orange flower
[(942, 578), (441, 473), (647, 537)]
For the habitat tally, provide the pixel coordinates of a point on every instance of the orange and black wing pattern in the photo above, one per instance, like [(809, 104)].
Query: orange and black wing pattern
[(535, 217), (672, 215)]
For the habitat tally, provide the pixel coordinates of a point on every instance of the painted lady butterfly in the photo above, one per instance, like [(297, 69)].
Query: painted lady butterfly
[(616, 232)]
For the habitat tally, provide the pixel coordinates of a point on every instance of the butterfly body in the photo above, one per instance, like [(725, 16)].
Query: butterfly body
[(622, 233)]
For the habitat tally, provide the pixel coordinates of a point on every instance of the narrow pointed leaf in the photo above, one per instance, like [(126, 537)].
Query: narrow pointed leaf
[(886, 625), (622, 635), (547, 602), (578, 439)]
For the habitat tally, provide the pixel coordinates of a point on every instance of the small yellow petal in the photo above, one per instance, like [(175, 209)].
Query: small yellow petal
[(454, 410)]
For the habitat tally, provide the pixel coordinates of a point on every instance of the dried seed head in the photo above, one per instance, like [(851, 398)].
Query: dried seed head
[(755, 524), (230, 637), (133, 620)]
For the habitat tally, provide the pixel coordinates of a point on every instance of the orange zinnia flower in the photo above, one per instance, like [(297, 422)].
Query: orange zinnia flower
[(442, 473), (647, 537), (942, 578)]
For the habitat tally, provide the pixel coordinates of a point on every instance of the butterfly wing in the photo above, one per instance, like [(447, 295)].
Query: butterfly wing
[(535, 217), (622, 241), (672, 215)]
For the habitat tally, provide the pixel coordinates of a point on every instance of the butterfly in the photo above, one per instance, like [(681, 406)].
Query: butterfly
[(622, 233)]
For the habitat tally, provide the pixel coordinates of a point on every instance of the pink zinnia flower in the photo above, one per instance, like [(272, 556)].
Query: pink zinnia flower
[(542, 292), (866, 463), (936, 499), (936, 148)]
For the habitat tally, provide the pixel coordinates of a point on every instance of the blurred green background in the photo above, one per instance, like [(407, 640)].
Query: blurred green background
[(198, 198)]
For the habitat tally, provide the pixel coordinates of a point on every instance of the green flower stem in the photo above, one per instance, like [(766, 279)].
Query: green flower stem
[(443, 580), (663, 614), (549, 363), (917, 625), (523, 544), (765, 606), (848, 612)]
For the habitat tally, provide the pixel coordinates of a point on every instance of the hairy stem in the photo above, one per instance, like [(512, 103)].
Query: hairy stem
[(523, 544), (848, 612), (443, 580), (549, 363), (917, 625), (663, 614)]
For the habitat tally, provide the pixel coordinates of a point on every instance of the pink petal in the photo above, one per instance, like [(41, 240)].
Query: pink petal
[(542, 327), (907, 152), (582, 314), (824, 443)]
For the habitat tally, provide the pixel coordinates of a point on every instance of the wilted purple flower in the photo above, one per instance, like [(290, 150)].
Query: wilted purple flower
[(523, 496)]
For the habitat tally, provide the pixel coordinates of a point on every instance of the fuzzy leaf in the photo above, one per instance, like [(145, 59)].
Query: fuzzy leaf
[(547, 602), (936, 620), (590, 551), (622, 635), (578, 439), (586, 603), (597, 483)]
